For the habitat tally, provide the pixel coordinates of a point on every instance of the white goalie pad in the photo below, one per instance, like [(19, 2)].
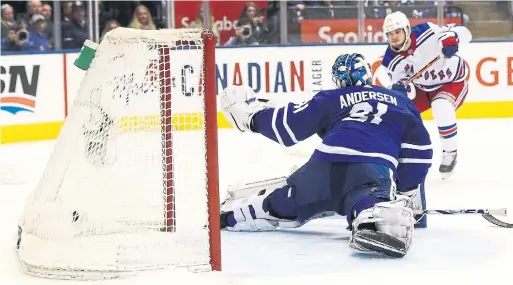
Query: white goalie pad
[(394, 224), (241, 196), (246, 190)]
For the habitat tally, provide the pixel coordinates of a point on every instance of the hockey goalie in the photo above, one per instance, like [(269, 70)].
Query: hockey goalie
[(362, 169)]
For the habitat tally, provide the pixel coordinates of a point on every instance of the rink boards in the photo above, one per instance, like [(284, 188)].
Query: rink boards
[(37, 90)]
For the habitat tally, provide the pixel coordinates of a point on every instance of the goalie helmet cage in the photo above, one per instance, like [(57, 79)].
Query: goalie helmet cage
[(132, 183)]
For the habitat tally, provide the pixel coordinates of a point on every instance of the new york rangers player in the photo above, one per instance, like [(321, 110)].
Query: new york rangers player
[(370, 167), (442, 87)]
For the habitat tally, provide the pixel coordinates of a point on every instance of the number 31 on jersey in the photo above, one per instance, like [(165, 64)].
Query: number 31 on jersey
[(363, 110)]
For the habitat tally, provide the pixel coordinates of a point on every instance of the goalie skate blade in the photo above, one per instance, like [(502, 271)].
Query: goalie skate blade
[(380, 243)]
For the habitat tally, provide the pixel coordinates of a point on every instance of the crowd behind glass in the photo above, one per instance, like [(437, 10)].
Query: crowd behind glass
[(31, 25)]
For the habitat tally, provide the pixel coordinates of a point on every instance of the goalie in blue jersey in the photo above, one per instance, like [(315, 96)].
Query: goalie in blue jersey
[(370, 167)]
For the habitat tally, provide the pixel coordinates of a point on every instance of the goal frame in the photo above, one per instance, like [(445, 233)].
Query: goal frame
[(132, 217), (211, 140)]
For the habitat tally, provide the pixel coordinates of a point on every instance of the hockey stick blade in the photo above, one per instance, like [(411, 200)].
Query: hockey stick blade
[(497, 222)]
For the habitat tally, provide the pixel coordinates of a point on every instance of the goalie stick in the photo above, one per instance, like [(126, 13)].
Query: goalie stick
[(487, 214), (245, 190)]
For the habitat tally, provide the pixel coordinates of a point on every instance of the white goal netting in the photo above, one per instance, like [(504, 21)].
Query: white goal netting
[(126, 186)]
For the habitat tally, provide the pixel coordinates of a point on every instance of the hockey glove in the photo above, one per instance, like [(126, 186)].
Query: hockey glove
[(239, 105), (449, 43), (408, 90), (399, 86)]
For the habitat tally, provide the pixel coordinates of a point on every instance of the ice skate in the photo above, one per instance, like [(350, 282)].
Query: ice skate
[(449, 161)]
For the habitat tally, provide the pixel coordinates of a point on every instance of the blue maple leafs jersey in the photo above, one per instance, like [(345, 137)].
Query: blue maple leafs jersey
[(357, 124)]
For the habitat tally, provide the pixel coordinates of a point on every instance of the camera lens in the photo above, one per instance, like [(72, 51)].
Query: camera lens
[(23, 35)]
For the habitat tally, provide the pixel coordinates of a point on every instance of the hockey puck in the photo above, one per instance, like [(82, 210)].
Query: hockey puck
[(75, 216)]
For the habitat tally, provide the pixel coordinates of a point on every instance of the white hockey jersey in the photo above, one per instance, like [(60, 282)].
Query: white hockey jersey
[(424, 48)]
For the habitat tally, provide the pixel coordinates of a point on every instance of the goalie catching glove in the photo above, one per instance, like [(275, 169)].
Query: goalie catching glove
[(239, 105)]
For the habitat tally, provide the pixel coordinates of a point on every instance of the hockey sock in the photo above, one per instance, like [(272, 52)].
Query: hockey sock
[(445, 117)]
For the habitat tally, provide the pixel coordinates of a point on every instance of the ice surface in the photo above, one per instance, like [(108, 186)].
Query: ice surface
[(453, 250)]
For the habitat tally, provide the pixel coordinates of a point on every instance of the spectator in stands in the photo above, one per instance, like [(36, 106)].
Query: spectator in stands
[(427, 9), (67, 11), (273, 22), (33, 8), (76, 31), (322, 10), (16, 40), (295, 14), (110, 25), (37, 40), (46, 11), (142, 19), (198, 23), (451, 11), (251, 14), (8, 23), (105, 15), (243, 36)]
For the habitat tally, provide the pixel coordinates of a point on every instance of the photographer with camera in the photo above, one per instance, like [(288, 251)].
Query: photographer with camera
[(16, 41), (243, 35), (23, 40), (252, 14)]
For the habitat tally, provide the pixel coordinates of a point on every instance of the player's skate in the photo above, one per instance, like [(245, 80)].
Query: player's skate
[(449, 161), (244, 209), (386, 228)]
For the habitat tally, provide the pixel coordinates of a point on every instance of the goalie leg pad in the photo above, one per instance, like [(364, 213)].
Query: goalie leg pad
[(418, 198), (248, 208), (385, 228), (318, 189), (249, 216)]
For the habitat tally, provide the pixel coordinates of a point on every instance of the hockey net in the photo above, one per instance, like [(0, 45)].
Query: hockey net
[(132, 182)]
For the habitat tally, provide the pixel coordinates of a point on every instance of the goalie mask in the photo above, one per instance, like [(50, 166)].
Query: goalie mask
[(351, 70)]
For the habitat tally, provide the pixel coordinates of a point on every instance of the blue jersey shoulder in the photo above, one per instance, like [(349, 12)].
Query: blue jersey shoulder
[(391, 58), (422, 32), (420, 29)]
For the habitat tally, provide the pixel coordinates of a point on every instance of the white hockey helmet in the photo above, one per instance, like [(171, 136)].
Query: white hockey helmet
[(397, 20)]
